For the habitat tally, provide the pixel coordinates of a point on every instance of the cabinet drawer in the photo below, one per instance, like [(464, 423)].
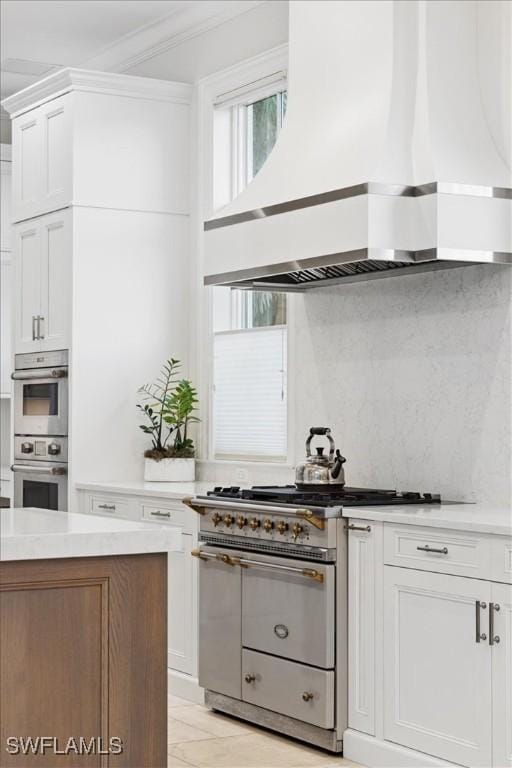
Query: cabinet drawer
[(438, 550), (502, 559), (110, 506), (291, 689), (164, 513)]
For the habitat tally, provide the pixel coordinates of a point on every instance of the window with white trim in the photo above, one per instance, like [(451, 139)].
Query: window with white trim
[(249, 398)]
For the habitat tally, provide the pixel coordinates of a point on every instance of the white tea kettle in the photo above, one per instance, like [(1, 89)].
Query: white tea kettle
[(320, 471)]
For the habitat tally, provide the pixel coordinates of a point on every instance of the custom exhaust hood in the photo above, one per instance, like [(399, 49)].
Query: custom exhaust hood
[(394, 156)]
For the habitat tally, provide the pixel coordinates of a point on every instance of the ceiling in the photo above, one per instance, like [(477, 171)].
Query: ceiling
[(41, 36)]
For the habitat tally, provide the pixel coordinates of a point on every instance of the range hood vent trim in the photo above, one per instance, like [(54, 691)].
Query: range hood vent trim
[(366, 188)]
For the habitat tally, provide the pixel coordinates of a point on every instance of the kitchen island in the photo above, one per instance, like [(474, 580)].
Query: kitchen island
[(83, 639)]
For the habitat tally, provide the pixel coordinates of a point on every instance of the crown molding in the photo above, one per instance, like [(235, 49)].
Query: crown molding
[(186, 22), (70, 79)]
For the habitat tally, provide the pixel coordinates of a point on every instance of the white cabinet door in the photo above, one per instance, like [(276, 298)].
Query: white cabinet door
[(42, 162), (43, 257), (437, 677), (361, 627), (56, 259), (27, 292), (502, 675), (182, 609), (5, 326)]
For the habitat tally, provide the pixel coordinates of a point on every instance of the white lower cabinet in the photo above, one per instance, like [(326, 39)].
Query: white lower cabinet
[(430, 652), (502, 675), (437, 676), (182, 613), (182, 569)]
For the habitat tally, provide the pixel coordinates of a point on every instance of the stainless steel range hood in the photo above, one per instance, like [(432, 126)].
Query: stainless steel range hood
[(395, 153)]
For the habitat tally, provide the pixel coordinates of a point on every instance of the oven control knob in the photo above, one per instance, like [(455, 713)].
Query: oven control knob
[(228, 520), (27, 447), (216, 518), (282, 527), (255, 523), (297, 530), (54, 449), (241, 521), (268, 525)]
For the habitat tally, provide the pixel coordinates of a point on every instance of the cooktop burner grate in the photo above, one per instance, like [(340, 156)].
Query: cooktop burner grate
[(347, 497)]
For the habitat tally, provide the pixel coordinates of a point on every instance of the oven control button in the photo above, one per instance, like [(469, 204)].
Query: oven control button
[(282, 527), (268, 525), (27, 447), (216, 518), (241, 521), (297, 529), (54, 449), (228, 520), (255, 523)]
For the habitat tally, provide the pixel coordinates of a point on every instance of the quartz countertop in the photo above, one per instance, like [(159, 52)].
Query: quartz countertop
[(479, 518), (140, 488), (39, 534)]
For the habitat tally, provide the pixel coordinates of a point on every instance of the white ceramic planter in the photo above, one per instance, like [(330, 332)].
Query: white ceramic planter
[(170, 470)]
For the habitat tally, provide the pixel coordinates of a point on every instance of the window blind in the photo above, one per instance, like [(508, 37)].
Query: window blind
[(249, 398)]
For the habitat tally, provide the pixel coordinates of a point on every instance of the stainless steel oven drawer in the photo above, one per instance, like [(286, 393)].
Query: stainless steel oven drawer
[(288, 608), (288, 688)]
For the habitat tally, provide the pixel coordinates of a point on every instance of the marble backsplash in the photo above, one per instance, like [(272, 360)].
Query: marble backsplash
[(414, 376)]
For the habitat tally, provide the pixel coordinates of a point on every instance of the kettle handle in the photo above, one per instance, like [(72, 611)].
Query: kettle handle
[(325, 431)]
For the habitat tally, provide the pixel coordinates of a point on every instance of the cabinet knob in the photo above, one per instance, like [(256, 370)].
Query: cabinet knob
[(307, 696), (250, 678)]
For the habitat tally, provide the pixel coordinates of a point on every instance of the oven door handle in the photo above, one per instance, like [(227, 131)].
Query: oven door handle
[(199, 506), (310, 573), (39, 470), (226, 559), (54, 373)]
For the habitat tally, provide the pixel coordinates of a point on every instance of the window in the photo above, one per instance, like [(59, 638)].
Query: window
[(249, 403)]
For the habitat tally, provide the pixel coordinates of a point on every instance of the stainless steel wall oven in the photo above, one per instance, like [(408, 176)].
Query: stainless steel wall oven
[(40, 426)]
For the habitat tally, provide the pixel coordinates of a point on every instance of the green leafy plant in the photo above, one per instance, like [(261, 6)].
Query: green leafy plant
[(169, 407)]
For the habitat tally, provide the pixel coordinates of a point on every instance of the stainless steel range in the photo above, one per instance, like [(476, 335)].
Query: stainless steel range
[(273, 604)]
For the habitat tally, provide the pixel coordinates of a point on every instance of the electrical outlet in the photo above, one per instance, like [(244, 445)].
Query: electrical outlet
[(242, 475)]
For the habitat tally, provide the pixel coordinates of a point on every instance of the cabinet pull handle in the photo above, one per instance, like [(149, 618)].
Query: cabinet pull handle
[(34, 337), (426, 548), (479, 636), (493, 639), (40, 335), (160, 514), (108, 507), (352, 527)]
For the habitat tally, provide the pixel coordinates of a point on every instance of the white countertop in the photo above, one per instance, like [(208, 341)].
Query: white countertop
[(480, 518), (39, 534), (140, 488)]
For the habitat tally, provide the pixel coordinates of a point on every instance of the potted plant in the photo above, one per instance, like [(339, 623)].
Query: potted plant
[(169, 407)]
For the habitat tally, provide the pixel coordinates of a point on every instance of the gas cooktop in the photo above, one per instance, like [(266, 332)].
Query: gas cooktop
[(347, 497)]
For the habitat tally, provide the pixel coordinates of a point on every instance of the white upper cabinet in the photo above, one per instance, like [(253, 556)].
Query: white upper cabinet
[(42, 168), (100, 140), (42, 296)]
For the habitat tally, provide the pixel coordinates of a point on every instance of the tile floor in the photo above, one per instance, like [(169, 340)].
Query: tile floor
[(204, 739)]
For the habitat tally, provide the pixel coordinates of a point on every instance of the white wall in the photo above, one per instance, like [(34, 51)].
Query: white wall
[(248, 34), (414, 376)]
